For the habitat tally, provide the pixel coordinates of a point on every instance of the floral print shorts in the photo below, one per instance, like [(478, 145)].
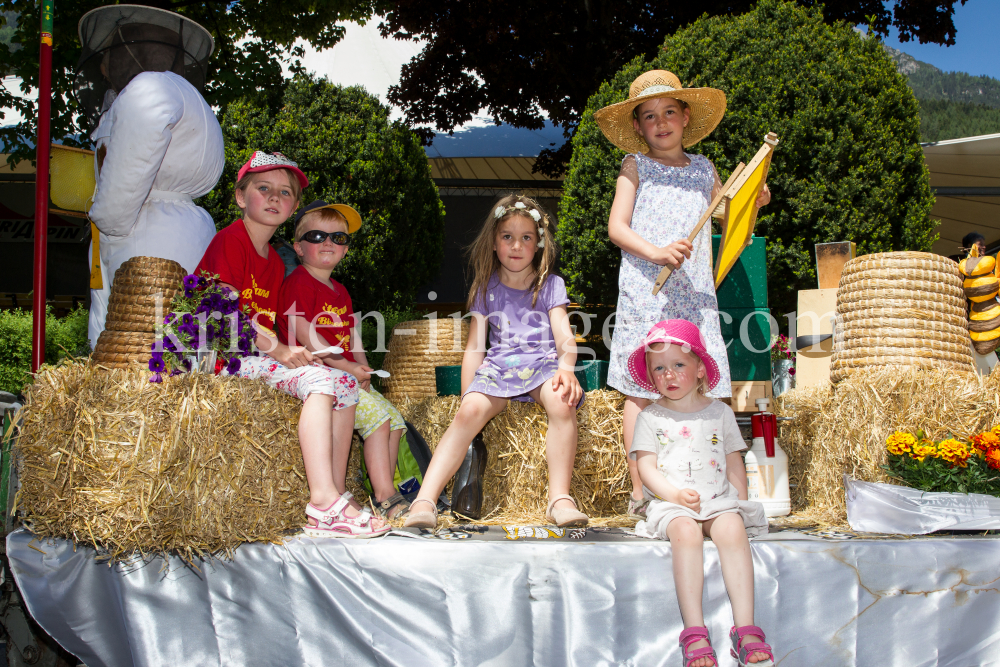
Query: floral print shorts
[(303, 381), (374, 409)]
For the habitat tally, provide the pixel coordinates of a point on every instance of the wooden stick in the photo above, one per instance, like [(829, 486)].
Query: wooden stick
[(667, 270)]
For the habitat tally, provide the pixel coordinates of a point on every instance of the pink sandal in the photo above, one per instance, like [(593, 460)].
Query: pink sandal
[(743, 653), (692, 635), (333, 522)]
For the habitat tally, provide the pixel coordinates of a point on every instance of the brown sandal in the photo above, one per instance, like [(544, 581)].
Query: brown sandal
[(423, 519), (563, 517)]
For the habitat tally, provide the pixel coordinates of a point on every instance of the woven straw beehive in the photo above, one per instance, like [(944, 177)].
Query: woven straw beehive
[(900, 308), (415, 350), (131, 321)]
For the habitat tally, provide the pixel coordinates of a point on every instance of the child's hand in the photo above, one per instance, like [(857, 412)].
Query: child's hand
[(688, 498), (363, 373), (673, 254), (764, 198), (292, 356), (567, 387)]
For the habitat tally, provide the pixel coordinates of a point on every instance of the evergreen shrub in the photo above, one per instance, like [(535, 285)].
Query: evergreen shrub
[(849, 166)]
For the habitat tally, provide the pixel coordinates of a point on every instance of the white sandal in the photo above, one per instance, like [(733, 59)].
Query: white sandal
[(333, 522)]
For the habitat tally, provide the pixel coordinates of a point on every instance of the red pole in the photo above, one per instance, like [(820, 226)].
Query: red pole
[(42, 186)]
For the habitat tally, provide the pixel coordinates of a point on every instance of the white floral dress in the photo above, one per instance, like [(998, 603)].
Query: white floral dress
[(668, 204)]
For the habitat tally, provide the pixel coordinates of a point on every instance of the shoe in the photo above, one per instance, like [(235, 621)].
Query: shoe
[(467, 493), (637, 508), (333, 522), (425, 519), (563, 517), (692, 635), (385, 508), (743, 653)]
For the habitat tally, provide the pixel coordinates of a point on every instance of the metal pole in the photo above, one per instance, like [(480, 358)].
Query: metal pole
[(42, 186)]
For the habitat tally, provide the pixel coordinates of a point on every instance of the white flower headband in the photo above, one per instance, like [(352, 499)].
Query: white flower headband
[(521, 207)]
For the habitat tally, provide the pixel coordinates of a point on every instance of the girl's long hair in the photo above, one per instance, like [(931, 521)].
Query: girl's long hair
[(483, 259)]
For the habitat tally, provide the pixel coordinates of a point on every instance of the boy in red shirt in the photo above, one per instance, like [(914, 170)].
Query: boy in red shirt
[(315, 311), (267, 190)]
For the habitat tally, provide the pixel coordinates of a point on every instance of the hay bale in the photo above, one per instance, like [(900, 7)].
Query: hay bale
[(194, 466), (516, 485), (842, 429)]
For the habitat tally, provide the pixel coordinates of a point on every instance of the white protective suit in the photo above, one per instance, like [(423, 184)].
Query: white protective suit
[(164, 147)]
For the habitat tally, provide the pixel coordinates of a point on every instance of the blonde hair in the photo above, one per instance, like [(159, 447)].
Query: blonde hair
[(483, 258), (248, 178), (702, 381), (322, 215)]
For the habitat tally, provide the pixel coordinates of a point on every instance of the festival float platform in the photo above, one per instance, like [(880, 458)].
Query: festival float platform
[(513, 596)]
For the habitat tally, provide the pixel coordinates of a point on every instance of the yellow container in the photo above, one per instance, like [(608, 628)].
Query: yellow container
[(71, 178)]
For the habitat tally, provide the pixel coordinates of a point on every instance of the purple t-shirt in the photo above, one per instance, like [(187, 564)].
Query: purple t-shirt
[(518, 329)]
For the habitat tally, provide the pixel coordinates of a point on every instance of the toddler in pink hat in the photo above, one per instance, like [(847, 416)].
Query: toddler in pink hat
[(687, 449)]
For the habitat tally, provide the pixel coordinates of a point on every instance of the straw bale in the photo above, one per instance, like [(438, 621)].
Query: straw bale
[(194, 466), (842, 429), (516, 484)]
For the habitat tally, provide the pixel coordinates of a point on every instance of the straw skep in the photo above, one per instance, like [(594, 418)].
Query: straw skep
[(416, 348), (516, 483), (841, 429), (900, 309), (139, 284), (193, 466)]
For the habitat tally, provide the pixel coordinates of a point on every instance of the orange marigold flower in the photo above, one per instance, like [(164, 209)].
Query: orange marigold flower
[(993, 459), (985, 441), (923, 449), (954, 452), (995, 430), (899, 443)]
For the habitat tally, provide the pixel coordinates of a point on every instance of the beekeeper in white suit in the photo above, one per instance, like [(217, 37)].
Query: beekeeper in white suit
[(157, 141)]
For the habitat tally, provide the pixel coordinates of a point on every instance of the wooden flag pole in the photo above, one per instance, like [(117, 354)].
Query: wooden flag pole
[(667, 270)]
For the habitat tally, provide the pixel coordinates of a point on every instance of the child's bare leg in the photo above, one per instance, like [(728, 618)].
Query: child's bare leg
[(315, 426), (342, 434), (560, 441), (377, 460), (472, 415), (633, 406), (394, 437), (730, 537), (686, 547)]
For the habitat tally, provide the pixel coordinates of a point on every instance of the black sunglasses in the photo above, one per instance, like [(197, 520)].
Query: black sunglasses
[(316, 236)]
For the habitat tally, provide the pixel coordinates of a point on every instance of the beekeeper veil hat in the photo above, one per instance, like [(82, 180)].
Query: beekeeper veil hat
[(121, 41)]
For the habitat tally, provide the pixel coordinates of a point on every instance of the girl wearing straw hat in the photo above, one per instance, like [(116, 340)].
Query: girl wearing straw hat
[(660, 196)]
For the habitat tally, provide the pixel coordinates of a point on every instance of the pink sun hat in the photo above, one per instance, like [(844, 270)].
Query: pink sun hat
[(264, 161), (674, 332)]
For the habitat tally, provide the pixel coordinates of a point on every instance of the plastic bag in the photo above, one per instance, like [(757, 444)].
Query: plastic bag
[(884, 508)]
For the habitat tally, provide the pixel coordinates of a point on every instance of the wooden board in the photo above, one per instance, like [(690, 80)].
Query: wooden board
[(740, 208), (745, 393)]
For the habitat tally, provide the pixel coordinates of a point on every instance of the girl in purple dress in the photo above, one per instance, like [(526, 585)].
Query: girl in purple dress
[(531, 356)]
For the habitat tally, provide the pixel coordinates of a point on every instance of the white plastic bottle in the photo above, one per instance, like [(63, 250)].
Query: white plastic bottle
[(767, 464)]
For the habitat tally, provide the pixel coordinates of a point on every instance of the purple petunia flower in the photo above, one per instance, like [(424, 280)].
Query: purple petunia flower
[(187, 318), (169, 318), (157, 378), (156, 362), (234, 366), (202, 282), (190, 281), (174, 372)]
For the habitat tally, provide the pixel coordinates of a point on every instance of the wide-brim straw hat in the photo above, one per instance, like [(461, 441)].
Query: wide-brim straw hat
[(707, 106)]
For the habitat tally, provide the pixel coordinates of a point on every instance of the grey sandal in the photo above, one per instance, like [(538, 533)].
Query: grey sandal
[(384, 508), (423, 519)]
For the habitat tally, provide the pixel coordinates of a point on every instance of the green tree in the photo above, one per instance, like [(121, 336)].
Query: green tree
[(252, 40), (849, 166), (343, 140)]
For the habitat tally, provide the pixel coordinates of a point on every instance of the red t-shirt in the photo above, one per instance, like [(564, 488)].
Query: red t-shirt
[(232, 256), (327, 306)]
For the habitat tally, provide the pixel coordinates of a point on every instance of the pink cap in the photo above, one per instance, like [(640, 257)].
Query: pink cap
[(674, 332), (264, 161)]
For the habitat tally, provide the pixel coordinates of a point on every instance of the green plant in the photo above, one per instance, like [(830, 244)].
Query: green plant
[(63, 336), (849, 166), (343, 140), (949, 465)]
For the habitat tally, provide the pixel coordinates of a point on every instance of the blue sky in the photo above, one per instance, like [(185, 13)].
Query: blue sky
[(976, 49)]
